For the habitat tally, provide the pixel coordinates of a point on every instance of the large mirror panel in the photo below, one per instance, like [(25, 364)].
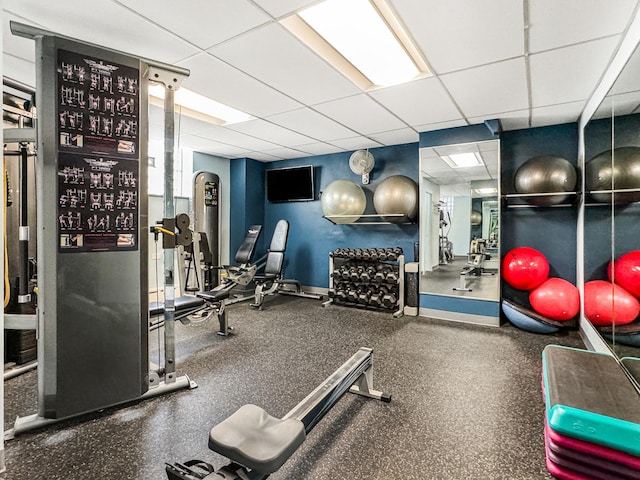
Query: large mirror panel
[(612, 214), (460, 220)]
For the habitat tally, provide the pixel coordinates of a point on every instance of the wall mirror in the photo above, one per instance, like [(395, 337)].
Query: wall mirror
[(460, 220), (612, 212)]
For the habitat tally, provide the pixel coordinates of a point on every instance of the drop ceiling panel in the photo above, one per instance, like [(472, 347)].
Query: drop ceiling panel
[(18, 69), (223, 83), (231, 137), (319, 148), (286, 153), (627, 81), (275, 133), (206, 145), (261, 156), (498, 87), (361, 114), (279, 8), (276, 57), (460, 122), (459, 34), (356, 143), (311, 123), (556, 23), (203, 23), (418, 103), (396, 137), (556, 114), (623, 104), (104, 23), (569, 74)]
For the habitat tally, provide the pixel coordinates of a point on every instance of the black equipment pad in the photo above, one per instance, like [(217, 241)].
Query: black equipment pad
[(181, 303), (245, 252)]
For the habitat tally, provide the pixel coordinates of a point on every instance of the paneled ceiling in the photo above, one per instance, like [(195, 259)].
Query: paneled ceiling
[(528, 63)]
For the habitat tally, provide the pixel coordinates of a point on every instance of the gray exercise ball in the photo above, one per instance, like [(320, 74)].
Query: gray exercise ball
[(476, 217), (343, 197), (546, 174), (396, 194), (618, 171)]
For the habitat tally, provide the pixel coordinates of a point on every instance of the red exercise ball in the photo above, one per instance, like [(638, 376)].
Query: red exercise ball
[(606, 303), (524, 268), (556, 299), (627, 272)]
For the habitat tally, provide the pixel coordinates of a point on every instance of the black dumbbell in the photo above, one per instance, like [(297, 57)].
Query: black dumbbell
[(352, 295), (391, 276), (368, 274), (364, 296), (388, 297)]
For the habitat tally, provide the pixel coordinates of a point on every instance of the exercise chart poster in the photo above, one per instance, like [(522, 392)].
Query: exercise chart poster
[(98, 106), (97, 203)]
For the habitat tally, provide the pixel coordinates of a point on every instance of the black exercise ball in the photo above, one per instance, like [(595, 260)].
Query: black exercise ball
[(614, 172), (546, 174)]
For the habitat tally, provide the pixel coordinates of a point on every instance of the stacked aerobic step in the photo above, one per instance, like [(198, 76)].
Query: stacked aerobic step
[(592, 421)]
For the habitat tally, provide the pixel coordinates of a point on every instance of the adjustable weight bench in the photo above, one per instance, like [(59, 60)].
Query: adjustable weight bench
[(258, 444), (271, 281), (201, 306)]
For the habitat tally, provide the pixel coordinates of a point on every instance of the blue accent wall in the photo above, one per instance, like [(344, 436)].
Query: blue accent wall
[(247, 203), (550, 230), (312, 237)]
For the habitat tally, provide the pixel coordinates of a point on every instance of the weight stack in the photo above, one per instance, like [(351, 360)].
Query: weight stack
[(21, 346), (412, 284)]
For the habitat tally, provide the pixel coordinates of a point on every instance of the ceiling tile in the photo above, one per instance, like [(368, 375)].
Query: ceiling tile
[(203, 23), (556, 114), (396, 137), (18, 69), (275, 133), (206, 145), (319, 148), (276, 57), (279, 8), (361, 114), (500, 87), (418, 103), (556, 24), (311, 123), (431, 127), (118, 29), (459, 34), (627, 81), (622, 104), (510, 121), (232, 137), (356, 143), (215, 79), (263, 157), (569, 74), (286, 153)]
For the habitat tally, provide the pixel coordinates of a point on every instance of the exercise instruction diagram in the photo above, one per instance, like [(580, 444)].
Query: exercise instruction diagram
[(98, 162)]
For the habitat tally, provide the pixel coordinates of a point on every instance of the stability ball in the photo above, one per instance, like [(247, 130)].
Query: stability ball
[(617, 170), (343, 197), (525, 268), (476, 217), (626, 272), (546, 174), (556, 299), (396, 194), (606, 303)]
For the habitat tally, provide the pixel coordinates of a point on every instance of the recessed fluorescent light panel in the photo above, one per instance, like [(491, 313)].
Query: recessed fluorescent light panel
[(364, 34), (486, 191), (463, 160), (194, 102)]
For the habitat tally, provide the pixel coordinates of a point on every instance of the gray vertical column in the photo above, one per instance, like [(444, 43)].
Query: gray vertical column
[(169, 212)]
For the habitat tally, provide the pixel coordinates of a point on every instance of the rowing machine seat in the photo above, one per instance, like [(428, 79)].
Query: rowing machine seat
[(256, 440), (214, 295)]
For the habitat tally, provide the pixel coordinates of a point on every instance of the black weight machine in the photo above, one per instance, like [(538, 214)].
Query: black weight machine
[(258, 444), (475, 263), (204, 304)]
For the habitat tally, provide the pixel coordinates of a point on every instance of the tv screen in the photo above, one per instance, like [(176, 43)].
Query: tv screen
[(290, 184)]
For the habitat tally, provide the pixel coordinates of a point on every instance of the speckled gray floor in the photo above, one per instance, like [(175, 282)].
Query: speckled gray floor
[(466, 401)]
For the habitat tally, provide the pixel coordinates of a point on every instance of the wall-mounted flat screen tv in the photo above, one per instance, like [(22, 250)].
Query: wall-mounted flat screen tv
[(293, 184)]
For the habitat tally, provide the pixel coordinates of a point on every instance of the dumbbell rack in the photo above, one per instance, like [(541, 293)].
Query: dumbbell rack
[(371, 278)]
